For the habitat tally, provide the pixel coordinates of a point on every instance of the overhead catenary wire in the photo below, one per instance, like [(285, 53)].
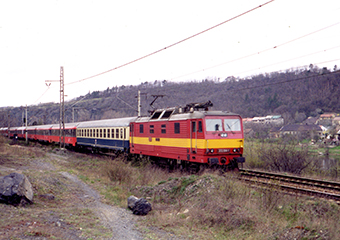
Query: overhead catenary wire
[(48, 88), (171, 45), (257, 53), (294, 59), (286, 81)]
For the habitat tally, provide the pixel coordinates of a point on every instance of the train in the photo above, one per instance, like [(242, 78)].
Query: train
[(181, 137)]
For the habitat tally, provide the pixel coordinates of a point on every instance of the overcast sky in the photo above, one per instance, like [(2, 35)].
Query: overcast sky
[(88, 37)]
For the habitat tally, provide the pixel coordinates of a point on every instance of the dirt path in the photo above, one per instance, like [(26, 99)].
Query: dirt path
[(76, 210), (119, 220)]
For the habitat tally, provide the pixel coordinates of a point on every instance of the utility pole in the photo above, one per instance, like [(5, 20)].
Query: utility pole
[(62, 108), (26, 126), (9, 123), (73, 117), (139, 105)]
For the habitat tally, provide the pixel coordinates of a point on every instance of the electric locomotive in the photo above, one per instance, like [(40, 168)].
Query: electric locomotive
[(189, 137)]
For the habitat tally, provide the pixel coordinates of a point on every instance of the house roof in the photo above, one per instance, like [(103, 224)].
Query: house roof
[(310, 120), (327, 115)]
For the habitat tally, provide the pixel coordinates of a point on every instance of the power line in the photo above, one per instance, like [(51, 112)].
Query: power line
[(48, 88), (256, 53), (293, 59), (286, 81), (171, 45)]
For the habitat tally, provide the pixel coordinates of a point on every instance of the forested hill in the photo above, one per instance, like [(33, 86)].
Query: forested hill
[(294, 94)]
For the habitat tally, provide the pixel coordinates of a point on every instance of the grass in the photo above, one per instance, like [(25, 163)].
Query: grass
[(206, 206), (52, 219)]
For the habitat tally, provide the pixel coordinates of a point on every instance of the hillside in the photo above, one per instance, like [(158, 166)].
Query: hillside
[(294, 94)]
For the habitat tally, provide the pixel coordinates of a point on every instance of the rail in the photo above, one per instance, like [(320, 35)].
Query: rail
[(306, 186)]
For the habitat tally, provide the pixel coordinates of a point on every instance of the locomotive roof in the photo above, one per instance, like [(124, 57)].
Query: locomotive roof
[(117, 122), (183, 116)]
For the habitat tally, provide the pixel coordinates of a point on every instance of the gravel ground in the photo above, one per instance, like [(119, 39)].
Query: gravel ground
[(119, 220), (49, 222)]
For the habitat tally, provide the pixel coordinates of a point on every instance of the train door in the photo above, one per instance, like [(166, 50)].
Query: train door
[(132, 132), (193, 136)]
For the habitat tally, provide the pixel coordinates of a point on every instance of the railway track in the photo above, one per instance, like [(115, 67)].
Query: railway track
[(293, 184)]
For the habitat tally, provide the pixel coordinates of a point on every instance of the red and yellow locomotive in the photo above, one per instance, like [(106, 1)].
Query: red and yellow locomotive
[(189, 137)]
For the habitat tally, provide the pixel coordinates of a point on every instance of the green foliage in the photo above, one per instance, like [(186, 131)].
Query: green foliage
[(185, 181)]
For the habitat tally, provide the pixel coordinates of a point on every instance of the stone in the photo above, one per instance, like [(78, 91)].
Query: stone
[(142, 207), (131, 202), (139, 206), (15, 188)]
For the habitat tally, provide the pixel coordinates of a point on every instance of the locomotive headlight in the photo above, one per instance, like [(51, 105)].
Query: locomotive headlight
[(224, 134), (236, 150), (210, 150)]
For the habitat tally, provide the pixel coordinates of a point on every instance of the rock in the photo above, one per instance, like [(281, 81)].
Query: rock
[(15, 188), (139, 206), (132, 201), (142, 207)]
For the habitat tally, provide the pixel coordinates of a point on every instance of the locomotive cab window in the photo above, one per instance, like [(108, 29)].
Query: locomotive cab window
[(232, 125), (213, 124), (141, 128)]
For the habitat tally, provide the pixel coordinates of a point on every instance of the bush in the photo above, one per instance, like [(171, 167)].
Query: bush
[(119, 172), (285, 157)]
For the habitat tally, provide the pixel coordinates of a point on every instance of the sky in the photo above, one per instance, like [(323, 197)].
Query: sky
[(89, 37)]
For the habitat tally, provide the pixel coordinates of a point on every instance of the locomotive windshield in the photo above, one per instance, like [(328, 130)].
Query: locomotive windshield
[(223, 124), (232, 125), (213, 124)]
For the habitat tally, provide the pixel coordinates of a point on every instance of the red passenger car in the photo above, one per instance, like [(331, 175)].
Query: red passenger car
[(50, 133)]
